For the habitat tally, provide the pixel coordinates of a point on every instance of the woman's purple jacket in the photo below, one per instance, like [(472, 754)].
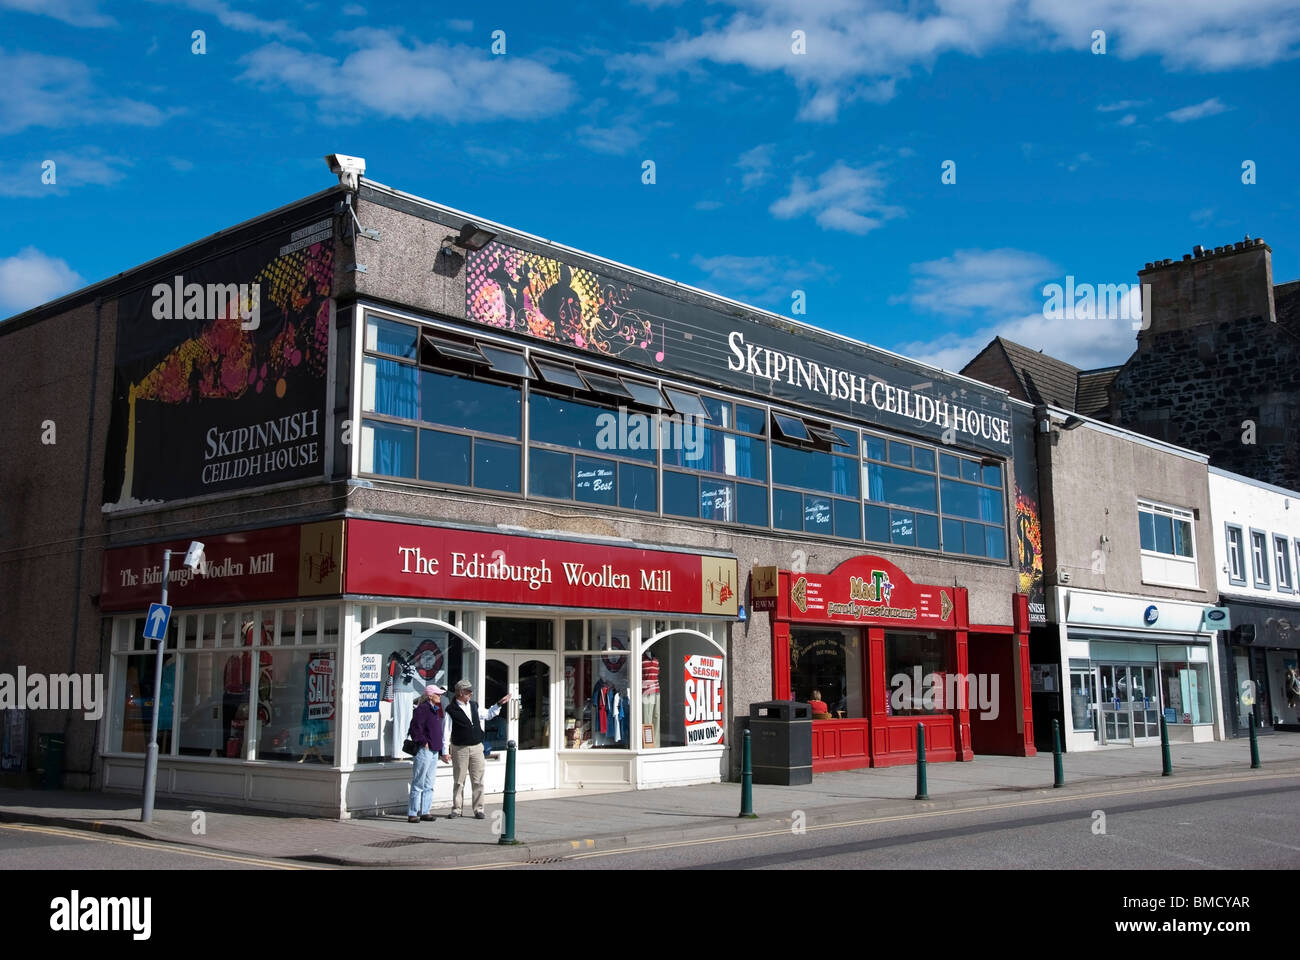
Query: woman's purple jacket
[(426, 726)]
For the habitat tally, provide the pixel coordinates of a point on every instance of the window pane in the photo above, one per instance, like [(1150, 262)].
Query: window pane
[(550, 474), (995, 543), (960, 499), (1182, 538), (970, 470), (390, 388), (1147, 530), (595, 480), (900, 453), (636, 487), (909, 655), (975, 544), (752, 504), (902, 527), (469, 404), (993, 475), (719, 411), (572, 423), (990, 505), (717, 500), (927, 531), (496, 465), (787, 510), (814, 470), (444, 457), (686, 403), (816, 514), (954, 540), (873, 447), (1164, 534), (295, 706), (923, 459), (903, 487), (751, 419), (386, 336), (698, 447), (949, 465), (877, 524), (848, 519), (212, 694), (791, 428), (826, 671), (387, 449), (664, 698), (681, 494)]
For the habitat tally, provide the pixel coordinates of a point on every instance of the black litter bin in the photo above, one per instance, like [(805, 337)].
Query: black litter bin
[(781, 738), (50, 748)]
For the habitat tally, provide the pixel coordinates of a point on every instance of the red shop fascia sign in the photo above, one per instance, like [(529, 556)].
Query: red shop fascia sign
[(869, 591)]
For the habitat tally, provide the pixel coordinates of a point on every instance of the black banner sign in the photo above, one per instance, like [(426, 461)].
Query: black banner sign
[(220, 379), (527, 293)]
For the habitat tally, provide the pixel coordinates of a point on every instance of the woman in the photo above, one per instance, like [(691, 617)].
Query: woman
[(426, 730), (820, 710)]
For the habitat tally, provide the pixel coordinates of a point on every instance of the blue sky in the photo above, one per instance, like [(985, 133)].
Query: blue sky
[(775, 170)]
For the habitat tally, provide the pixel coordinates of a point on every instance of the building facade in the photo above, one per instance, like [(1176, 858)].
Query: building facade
[(1128, 559), (1257, 557), (419, 448)]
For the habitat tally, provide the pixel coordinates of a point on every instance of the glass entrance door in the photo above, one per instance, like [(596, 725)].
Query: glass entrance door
[(526, 677), (1129, 703)]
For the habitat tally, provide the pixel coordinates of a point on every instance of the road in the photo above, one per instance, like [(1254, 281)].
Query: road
[(1235, 823)]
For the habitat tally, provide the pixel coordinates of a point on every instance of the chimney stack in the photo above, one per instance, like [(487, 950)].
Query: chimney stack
[(1223, 284)]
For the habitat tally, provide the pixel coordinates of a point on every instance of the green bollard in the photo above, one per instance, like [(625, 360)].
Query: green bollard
[(1166, 763), (746, 782), (508, 804), (1058, 768), (921, 793), (1254, 744)]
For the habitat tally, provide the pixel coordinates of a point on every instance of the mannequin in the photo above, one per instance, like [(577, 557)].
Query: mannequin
[(649, 701)]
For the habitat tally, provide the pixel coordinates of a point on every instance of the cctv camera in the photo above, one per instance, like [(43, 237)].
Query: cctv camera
[(349, 169), (194, 556)]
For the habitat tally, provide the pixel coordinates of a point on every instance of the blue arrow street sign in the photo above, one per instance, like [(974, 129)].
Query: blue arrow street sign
[(155, 624)]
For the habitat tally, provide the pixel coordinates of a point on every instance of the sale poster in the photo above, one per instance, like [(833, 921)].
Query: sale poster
[(703, 700)]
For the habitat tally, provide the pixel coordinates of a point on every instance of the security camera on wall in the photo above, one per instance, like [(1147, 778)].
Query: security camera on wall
[(349, 169)]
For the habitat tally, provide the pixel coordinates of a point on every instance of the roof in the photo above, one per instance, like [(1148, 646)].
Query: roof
[(1091, 395), (1286, 305)]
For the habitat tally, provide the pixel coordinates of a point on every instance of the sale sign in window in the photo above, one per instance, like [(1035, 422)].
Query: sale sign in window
[(703, 700)]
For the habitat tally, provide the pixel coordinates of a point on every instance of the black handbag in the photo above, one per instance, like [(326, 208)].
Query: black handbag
[(409, 746)]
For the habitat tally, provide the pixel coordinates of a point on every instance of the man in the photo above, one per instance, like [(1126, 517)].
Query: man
[(464, 741)]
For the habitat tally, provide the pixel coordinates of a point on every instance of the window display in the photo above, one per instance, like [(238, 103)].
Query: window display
[(597, 687), (683, 696), (913, 656), (295, 715), (1187, 690), (829, 662)]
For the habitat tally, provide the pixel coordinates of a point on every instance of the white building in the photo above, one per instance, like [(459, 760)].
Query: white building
[(1257, 560)]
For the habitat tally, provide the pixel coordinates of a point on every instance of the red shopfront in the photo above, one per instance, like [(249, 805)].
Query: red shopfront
[(885, 654)]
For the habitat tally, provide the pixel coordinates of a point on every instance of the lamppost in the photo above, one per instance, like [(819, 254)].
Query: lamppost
[(193, 560)]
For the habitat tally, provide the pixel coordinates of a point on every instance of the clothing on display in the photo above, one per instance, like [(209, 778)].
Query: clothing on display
[(610, 714)]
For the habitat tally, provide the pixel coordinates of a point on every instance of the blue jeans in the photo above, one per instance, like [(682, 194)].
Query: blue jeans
[(426, 766)]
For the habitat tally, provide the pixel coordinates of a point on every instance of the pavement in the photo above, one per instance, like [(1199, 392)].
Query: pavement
[(553, 824)]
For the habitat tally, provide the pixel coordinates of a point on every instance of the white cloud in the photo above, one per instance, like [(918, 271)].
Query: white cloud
[(385, 77), (766, 280), (1127, 120), (89, 167), (76, 13), (44, 91), (1206, 108), (618, 138), (844, 198), (354, 10), (860, 49), (1002, 281), (1121, 105), (756, 164), (239, 20), (31, 278)]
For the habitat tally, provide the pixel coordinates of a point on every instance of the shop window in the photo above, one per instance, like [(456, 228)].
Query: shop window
[(1083, 700), (296, 706), (597, 686), (1187, 693), (826, 668), (912, 655), (134, 702), (409, 657), (510, 633), (683, 692)]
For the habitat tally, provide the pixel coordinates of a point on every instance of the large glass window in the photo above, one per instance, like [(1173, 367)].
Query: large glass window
[(1187, 693), (826, 671), (296, 710), (683, 690), (909, 656), (1166, 530), (597, 685), (566, 422)]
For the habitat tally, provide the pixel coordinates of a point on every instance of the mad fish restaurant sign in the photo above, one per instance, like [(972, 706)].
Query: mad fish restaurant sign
[(534, 295)]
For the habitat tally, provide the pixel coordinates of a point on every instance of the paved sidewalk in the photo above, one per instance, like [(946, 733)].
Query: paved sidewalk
[(555, 823)]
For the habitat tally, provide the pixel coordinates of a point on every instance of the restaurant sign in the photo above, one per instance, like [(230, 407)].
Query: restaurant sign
[(866, 589)]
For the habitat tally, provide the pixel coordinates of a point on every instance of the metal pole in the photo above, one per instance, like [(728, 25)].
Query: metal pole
[(1166, 763), (921, 793), (746, 782), (1058, 768), (508, 805), (1254, 744), (151, 757)]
